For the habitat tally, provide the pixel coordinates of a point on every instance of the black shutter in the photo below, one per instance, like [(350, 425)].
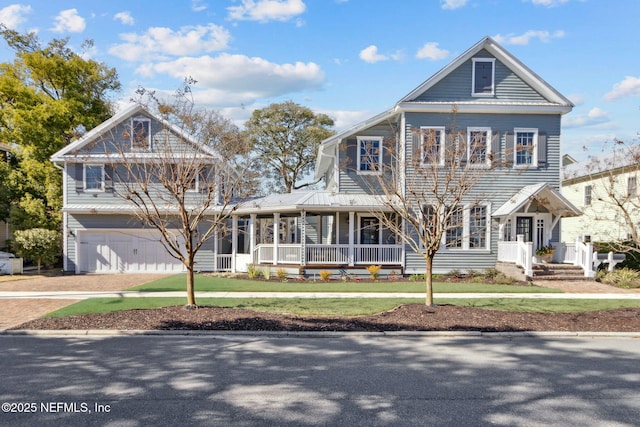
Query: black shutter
[(542, 149), (509, 149), (496, 155), (77, 173)]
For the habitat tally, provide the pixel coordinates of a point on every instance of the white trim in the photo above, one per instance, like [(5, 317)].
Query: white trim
[(84, 178), (534, 147), (466, 232), (377, 139), (487, 160), (492, 61), (442, 131), (360, 217)]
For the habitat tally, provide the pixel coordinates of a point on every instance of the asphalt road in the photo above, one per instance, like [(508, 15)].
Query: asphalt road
[(354, 380)]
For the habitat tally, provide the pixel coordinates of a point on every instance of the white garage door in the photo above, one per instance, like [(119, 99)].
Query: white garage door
[(123, 252)]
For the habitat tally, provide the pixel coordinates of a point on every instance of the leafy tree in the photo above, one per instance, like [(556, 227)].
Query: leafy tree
[(48, 96), (38, 244), (286, 136)]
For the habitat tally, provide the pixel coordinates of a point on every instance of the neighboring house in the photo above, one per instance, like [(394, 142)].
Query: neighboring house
[(506, 107), (509, 111), (101, 233), (605, 188)]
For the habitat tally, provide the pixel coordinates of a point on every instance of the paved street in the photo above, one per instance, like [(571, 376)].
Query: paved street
[(354, 380)]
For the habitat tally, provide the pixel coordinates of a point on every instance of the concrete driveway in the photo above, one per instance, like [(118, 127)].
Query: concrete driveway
[(16, 311)]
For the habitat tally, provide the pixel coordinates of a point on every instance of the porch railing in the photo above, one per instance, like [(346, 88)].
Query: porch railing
[(585, 257), (330, 254), (223, 262), (508, 251)]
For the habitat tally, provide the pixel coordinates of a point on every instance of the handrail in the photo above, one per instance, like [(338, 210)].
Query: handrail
[(524, 257), (584, 257)]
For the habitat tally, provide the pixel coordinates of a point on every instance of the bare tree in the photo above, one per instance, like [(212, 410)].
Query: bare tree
[(612, 199), (428, 187), (186, 185)]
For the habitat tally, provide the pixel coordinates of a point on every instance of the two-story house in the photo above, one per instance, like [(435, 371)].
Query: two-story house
[(506, 116), (135, 150), (505, 111), (605, 188)]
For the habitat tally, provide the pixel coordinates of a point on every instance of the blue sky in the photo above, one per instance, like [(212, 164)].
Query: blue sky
[(353, 59)]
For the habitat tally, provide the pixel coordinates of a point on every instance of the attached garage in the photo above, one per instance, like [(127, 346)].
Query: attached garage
[(124, 251)]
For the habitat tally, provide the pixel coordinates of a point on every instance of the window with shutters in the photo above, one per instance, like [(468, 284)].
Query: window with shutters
[(525, 151), (93, 177)]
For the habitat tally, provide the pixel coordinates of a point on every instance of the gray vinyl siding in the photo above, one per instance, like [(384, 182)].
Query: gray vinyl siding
[(498, 185), (350, 180), (205, 260), (456, 87)]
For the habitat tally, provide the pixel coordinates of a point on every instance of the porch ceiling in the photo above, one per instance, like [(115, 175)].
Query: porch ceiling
[(545, 195)]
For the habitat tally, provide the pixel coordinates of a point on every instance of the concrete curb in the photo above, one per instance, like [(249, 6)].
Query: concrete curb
[(320, 334)]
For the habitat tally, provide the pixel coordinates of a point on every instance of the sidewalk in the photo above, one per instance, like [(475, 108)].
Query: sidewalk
[(29, 298)]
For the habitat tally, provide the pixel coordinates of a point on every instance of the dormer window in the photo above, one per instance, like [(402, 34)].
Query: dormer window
[(140, 133), (483, 77)]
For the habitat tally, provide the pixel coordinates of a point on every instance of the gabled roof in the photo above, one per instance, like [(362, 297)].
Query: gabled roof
[(555, 202), (121, 116), (510, 61), (616, 161)]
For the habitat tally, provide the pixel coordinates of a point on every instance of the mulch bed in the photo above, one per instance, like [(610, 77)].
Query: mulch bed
[(410, 317)]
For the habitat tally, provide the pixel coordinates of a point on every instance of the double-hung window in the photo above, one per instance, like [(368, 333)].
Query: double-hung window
[(478, 145), (432, 148), (587, 195), (483, 76), (369, 154), (467, 228), (140, 133), (94, 177), (525, 152)]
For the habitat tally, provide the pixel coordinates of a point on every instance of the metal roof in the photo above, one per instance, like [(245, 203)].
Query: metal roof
[(312, 201)]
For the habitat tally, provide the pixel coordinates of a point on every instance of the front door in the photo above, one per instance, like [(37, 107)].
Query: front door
[(524, 226)]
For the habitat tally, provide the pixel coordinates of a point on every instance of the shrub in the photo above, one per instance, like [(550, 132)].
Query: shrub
[(502, 279), (281, 273), (252, 271), (266, 273), (374, 271), (38, 244), (325, 275), (416, 277), (623, 278)]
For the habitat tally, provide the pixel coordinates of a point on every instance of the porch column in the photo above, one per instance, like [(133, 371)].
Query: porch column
[(215, 250), (303, 238), (252, 237), (276, 236), (234, 241), (352, 221)]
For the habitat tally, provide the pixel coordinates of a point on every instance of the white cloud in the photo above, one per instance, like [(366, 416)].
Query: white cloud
[(523, 39), (198, 5), (431, 51), (452, 4), (242, 77), (630, 86), (370, 54), (576, 98), (14, 15), (266, 10), (595, 116), (124, 17), (549, 3), (69, 20), (161, 42)]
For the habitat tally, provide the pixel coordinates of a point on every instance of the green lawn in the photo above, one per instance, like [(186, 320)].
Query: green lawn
[(221, 284), (341, 306)]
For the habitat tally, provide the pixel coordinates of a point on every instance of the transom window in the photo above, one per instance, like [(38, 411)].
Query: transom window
[(483, 76), (140, 133), (94, 177), (369, 153), (478, 140), (432, 149), (526, 141)]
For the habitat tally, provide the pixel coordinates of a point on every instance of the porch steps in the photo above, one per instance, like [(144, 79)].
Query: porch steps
[(563, 272)]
